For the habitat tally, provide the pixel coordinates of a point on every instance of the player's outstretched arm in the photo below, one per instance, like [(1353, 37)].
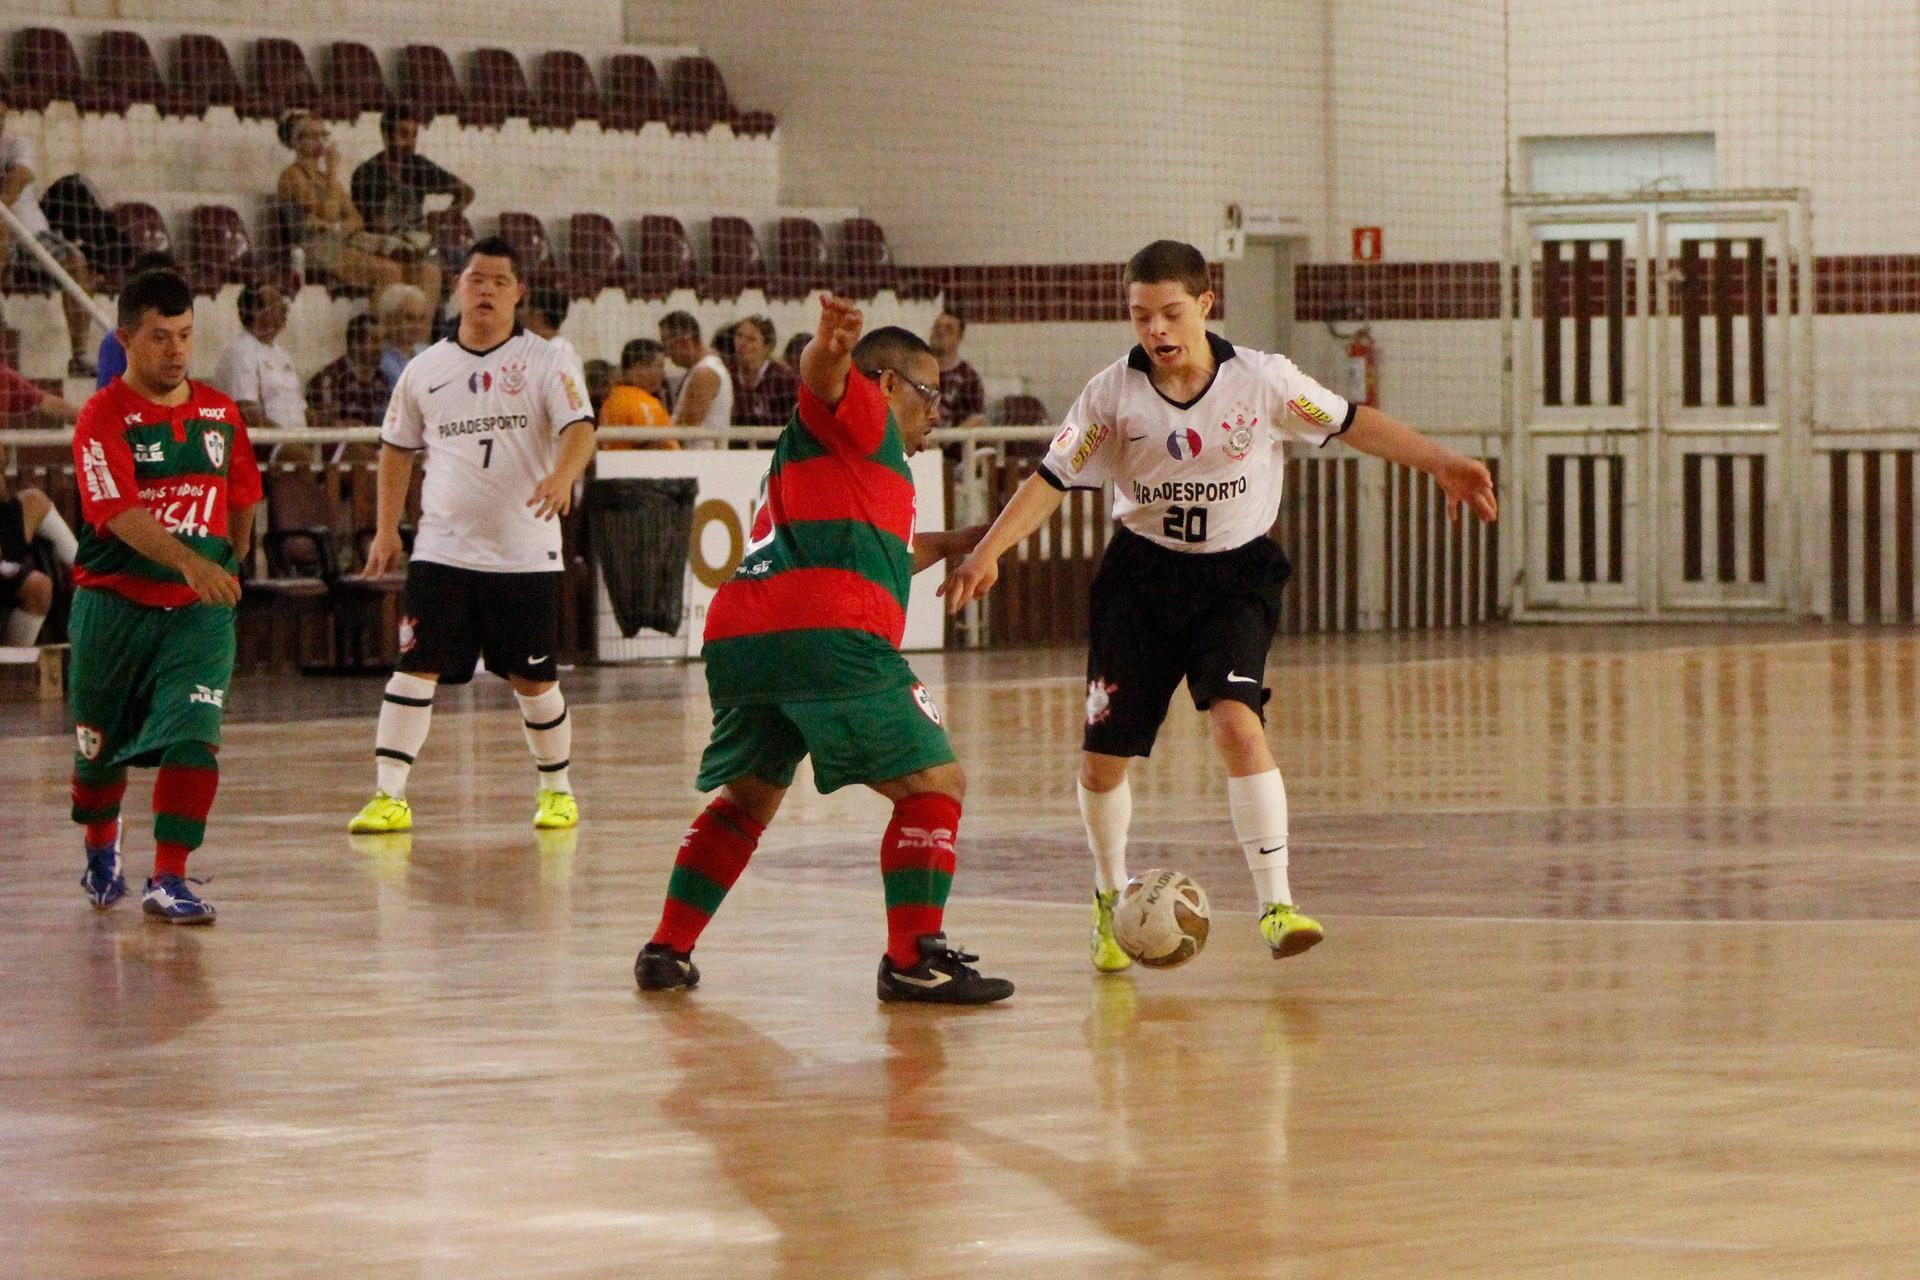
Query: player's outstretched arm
[(932, 546), (137, 528), (1032, 504), (395, 477), (1464, 480), (825, 361)]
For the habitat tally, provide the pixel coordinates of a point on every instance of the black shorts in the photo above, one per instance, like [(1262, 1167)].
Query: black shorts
[(1160, 616), (14, 552), (449, 617)]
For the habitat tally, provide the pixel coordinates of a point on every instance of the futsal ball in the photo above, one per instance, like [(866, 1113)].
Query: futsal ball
[(1161, 919)]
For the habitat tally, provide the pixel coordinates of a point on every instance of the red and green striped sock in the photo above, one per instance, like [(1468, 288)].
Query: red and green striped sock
[(711, 858), (96, 804), (916, 864), (182, 797)]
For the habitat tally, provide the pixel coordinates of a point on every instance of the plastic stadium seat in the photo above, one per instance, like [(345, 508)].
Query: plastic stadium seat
[(45, 69), (697, 99), (803, 265), (219, 250), (866, 264), (354, 76), (427, 82), (528, 236), (567, 91), (282, 79), (496, 88), (666, 259), (143, 227), (1023, 411), (123, 67), (596, 259), (203, 72), (735, 263), (635, 97)]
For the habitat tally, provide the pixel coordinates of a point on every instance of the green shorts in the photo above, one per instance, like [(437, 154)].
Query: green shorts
[(874, 737), (144, 679)]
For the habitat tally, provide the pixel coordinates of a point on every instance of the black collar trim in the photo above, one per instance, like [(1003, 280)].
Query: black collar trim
[(1223, 351), (517, 331)]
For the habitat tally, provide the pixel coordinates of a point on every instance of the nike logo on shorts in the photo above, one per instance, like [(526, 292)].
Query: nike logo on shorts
[(937, 980), (1234, 679), (534, 662)]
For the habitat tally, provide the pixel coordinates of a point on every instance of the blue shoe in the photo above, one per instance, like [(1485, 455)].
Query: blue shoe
[(169, 899), (102, 879)]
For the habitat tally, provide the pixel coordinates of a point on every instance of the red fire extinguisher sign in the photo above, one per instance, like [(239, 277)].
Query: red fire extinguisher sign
[(1367, 244)]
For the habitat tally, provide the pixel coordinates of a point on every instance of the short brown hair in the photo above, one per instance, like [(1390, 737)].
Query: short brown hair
[(1170, 261)]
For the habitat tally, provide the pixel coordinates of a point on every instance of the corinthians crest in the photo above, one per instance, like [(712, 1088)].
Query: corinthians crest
[(513, 377), (1239, 426)]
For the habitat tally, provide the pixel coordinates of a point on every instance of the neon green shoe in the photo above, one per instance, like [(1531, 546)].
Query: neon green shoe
[(556, 810), (1287, 931), (383, 814), (1107, 955)]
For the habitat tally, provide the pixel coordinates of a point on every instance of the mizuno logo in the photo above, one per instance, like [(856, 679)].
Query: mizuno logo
[(1239, 679), (937, 980)]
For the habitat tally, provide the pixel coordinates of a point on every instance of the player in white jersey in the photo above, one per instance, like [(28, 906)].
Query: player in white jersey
[(502, 418), (1190, 430)]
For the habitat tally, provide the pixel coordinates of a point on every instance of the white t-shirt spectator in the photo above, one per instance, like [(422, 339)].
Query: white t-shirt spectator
[(17, 150), (252, 370)]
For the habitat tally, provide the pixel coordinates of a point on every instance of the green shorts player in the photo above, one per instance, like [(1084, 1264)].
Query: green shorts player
[(803, 659), (167, 488)]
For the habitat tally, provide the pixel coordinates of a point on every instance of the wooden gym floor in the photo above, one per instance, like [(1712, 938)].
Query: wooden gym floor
[(1620, 980)]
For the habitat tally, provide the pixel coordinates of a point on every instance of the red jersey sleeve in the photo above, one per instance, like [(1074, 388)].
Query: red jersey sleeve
[(856, 425), (17, 395), (243, 470), (104, 464)]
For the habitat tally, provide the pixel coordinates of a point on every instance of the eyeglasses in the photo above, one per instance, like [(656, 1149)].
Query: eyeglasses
[(930, 394)]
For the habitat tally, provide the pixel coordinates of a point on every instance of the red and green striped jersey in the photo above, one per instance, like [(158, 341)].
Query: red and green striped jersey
[(819, 603), (189, 464)]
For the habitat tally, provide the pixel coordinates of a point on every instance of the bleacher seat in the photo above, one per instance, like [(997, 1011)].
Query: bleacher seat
[(866, 263), (734, 260), (528, 236), (697, 99), (219, 250), (635, 96), (802, 266), (567, 91), (1023, 411), (143, 227), (283, 80), (355, 77), (452, 235), (666, 260), (46, 69), (124, 72), (427, 82), (204, 75), (596, 259), (496, 89)]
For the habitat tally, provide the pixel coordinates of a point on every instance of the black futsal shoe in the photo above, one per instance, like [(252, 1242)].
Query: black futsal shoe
[(941, 977), (660, 968)]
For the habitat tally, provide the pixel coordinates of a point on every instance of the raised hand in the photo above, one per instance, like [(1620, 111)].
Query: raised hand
[(840, 326)]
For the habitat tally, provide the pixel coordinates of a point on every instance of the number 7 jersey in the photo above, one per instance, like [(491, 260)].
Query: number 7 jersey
[(1204, 475)]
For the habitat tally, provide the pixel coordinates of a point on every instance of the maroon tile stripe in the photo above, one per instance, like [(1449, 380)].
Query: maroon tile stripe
[(1000, 293)]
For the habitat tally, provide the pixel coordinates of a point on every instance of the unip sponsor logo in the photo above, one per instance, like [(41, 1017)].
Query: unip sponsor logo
[(1089, 445), (1307, 411)]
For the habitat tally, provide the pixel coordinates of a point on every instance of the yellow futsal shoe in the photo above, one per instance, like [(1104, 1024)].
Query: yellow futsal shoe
[(1287, 931), (383, 815), (556, 810), (1107, 955)]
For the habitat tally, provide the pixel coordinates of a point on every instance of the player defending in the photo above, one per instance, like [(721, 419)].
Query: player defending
[(1188, 428), (803, 658), (502, 416), (167, 489)]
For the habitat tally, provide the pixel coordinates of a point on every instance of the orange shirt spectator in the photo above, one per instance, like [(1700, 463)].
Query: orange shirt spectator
[(635, 398)]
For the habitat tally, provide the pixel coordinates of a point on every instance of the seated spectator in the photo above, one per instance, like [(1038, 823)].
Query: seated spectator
[(599, 375), (352, 391), (705, 397), (255, 370), (764, 390), (26, 594), (391, 188), (635, 398), (406, 327), (21, 399), (17, 179), (542, 312), (334, 236), (795, 345), (963, 397), (111, 361)]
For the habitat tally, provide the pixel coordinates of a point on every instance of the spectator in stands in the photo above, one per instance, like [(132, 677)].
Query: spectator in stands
[(333, 235), (764, 390), (352, 391), (795, 345), (391, 188), (255, 370), (599, 383), (406, 327), (963, 397), (635, 399), (543, 311), (705, 398), (26, 594), (111, 360), (17, 179), (20, 399)]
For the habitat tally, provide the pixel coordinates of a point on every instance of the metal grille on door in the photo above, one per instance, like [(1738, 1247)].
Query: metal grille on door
[(1723, 288), (1582, 282)]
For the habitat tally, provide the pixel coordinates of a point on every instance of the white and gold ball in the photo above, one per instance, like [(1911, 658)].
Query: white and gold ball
[(1161, 918)]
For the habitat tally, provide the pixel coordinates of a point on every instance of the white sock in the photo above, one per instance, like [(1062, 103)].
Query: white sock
[(1107, 814), (59, 536), (1259, 808), (23, 628), (549, 736), (405, 715)]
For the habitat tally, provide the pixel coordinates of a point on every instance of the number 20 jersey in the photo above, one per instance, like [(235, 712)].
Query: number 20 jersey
[(1200, 476)]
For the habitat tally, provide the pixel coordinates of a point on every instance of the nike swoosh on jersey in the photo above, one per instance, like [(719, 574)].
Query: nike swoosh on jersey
[(1136, 437), (1234, 679), (449, 382), (937, 980)]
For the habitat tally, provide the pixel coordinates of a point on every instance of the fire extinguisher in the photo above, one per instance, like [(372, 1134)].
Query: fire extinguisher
[(1363, 368)]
